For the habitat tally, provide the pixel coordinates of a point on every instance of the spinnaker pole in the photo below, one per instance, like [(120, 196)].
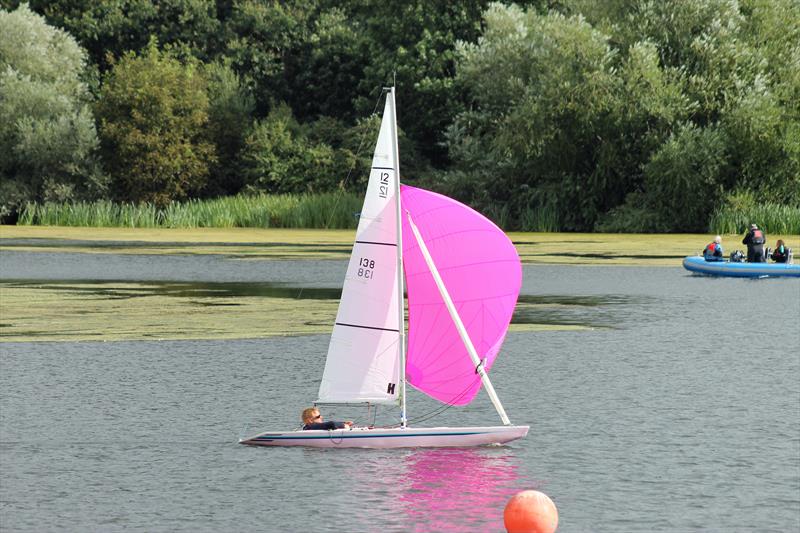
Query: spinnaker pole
[(462, 331)]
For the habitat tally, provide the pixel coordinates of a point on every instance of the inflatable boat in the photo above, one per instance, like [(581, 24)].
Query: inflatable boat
[(699, 265)]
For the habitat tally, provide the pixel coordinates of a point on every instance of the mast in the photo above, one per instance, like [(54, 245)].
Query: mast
[(400, 290), (462, 332)]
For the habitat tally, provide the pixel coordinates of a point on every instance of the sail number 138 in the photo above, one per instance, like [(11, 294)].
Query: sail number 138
[(366, 268)]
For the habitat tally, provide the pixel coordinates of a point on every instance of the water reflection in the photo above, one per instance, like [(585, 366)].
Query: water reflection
[(44, 242), (457, 489), (554, 309), (122, 290), (596, 311)]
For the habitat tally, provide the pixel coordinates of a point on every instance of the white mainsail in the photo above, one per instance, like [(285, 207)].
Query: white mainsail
[(368, 321)]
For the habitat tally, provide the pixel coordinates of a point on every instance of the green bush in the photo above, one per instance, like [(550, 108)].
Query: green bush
[(48, 141), (153, 113)]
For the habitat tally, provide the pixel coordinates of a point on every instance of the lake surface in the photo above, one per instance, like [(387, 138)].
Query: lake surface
[(678, 411)]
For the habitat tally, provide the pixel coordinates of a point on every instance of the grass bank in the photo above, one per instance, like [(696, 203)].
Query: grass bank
[(274, 243)]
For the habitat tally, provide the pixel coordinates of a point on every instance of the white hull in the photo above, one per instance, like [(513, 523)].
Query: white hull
[(390, 438)]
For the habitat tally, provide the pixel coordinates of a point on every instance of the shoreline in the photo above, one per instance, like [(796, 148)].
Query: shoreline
[(620, 249)]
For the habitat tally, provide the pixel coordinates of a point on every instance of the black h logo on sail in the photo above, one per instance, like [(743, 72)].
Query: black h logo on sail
[(390, 388)]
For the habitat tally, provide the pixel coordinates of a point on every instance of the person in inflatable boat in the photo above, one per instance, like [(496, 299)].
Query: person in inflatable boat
[(781, 253), (755, 240), (312, 419), (713, 250)]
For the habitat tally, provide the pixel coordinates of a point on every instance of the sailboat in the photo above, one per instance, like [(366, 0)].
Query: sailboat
[(462, 278)]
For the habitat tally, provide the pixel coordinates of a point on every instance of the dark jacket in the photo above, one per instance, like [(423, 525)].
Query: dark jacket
[(755, 240), (331, 424)]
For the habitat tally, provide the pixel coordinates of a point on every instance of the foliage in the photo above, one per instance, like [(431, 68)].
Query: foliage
[(741, 209), (682, 178), (544, 94), (110, 28), (48, 140), (327, 68), (260, 36), (326, 210), (279, 158), (624, 115), (153, 114), (639, 117), (413, 42), (230, 107)]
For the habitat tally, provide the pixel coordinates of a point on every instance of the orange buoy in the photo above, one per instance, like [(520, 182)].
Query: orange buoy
[(530, 511)]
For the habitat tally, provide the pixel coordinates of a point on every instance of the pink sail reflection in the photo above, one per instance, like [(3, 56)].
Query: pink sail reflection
[(481, 270), (458, 489)]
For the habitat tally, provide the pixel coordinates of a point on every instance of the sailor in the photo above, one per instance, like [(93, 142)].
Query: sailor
[(312, 419), (755, 240), (713, 250)]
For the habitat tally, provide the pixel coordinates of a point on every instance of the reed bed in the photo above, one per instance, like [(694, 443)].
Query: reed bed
[(325, 210), (337, 210), (772, 218), (531, 219)]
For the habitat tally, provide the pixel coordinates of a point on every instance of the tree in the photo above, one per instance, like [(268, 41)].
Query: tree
[(683, 178), (645, 115), (229, 118), (48, 140), (326, 69), (545, 103), (153, 113), (260, 37), (279, 158), (113, 27), (355, 47)]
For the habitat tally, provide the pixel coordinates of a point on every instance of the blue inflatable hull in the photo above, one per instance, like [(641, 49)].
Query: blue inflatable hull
[(699, 265)]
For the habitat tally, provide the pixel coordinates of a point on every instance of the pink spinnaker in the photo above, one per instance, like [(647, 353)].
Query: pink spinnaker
[(481, 270)]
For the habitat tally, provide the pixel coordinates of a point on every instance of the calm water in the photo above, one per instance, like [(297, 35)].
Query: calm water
[(681, 413)]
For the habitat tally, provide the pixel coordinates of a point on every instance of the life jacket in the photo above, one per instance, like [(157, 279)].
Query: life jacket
[(711, 249), (758, 237)]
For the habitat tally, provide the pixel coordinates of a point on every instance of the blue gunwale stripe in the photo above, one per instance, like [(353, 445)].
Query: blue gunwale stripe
[(337, 436)]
